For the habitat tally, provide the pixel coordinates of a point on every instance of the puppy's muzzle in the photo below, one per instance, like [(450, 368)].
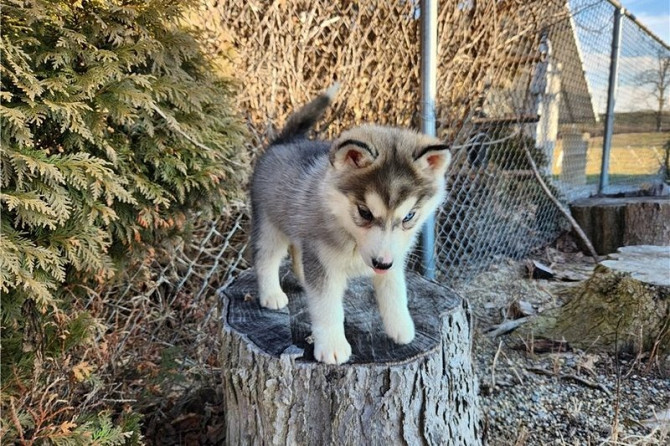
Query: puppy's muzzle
[(378, 263)]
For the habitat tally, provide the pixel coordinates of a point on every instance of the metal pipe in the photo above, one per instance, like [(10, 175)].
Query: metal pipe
[(640, 25), (428, 94), (611, 98)]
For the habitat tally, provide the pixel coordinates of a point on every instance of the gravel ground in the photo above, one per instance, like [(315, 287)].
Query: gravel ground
[(558, 397)]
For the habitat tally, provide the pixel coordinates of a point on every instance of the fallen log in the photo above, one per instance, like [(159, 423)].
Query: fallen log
[(275, 393)]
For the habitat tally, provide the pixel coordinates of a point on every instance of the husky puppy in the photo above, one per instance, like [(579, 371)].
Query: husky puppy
[(347, 208)]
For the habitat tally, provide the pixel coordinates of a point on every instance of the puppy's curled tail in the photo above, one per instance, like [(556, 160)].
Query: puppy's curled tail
[(299, 123)]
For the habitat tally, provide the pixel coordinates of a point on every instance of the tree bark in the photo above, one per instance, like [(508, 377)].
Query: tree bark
[(647, 223), (275, 393), (624, 306)]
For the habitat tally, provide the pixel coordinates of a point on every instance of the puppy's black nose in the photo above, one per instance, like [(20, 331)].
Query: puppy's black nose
[(377, 263)]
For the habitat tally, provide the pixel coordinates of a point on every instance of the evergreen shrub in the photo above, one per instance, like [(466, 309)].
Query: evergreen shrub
[(117, 132)]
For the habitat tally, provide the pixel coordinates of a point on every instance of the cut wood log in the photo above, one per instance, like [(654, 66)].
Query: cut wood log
[(275, 393), (623, 306), (613, 222)]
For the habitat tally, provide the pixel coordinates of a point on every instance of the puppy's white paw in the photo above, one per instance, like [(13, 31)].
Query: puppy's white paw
[(274, 301), (334, 349), (400, 327)]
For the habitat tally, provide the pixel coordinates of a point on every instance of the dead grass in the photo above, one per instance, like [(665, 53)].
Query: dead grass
[(631, 154)]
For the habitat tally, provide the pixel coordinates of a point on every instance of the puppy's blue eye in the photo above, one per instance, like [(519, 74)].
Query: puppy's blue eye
[(365, 213), (408, 217)]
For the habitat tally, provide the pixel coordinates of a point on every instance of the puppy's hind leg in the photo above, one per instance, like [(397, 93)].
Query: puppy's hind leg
[(269, 245), (296, 260)]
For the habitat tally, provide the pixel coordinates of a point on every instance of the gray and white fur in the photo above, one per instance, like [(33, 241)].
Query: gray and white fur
[(345, 208)]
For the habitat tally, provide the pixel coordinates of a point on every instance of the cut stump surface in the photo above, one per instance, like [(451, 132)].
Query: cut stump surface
[(275, 393)]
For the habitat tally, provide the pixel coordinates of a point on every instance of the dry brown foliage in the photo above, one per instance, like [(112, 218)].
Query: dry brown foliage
[(287, 51)]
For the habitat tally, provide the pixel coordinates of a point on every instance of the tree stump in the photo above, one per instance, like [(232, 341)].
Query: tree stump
[(623, 306), (612, 222), (276, 393)]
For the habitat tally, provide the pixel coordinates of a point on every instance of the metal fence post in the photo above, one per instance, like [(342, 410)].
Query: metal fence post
[(428, 93), (611, 98)]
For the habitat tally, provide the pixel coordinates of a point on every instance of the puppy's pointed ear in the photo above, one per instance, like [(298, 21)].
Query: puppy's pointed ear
[(352, 153), (433, 158)]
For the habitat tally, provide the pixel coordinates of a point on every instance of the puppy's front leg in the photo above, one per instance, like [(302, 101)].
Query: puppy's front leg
[(324, 294), (391, 292)]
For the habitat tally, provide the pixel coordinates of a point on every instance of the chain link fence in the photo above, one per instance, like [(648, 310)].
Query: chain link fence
[(516, 81), (556, 102), (641, 124)]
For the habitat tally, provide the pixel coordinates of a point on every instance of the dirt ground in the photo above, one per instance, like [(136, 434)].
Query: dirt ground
[(531, 393)]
